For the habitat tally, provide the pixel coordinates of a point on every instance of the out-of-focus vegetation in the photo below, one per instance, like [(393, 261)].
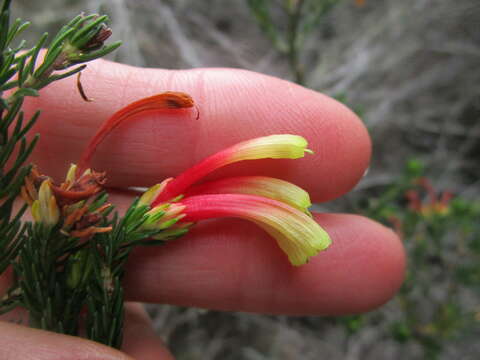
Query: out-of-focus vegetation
[(410, 69), (438, 302), (288, 36)]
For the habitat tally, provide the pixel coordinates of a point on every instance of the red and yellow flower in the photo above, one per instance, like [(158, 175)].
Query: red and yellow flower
[(277, 206)]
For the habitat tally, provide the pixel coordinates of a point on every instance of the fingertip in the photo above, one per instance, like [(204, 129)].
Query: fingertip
[(241, 104), (20, 342), (363, 268), (233, 265), (346, 143)]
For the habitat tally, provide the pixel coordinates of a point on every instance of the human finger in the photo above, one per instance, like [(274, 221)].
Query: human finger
[(21, 342), (140, 340), (234, 105), (233, 265)]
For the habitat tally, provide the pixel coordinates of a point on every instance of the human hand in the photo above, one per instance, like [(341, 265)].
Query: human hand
[(229, 264)]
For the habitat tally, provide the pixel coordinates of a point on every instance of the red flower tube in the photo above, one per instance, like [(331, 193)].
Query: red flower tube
[(297, 234)]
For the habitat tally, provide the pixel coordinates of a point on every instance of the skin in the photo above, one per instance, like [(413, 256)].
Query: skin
[(226, 264)]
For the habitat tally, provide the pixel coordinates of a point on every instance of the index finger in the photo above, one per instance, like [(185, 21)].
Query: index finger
[(234, 105)]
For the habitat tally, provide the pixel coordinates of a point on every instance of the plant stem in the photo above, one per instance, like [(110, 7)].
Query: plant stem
[(294, 18)]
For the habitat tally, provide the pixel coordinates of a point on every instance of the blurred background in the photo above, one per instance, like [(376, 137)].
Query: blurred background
[(410, 69)]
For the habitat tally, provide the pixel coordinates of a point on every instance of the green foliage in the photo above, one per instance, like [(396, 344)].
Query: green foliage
[(352, 323), (79, 41), (65, 281), (104, 290), (302, 17), (52, 267), (442, 238), (12, 134), (41, 277), (68, 265)]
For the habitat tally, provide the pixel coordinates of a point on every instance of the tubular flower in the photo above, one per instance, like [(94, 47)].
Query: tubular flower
[(282, 146), (164, 101), (177, 203), (277, 206), (268, 187), (297, 234)]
